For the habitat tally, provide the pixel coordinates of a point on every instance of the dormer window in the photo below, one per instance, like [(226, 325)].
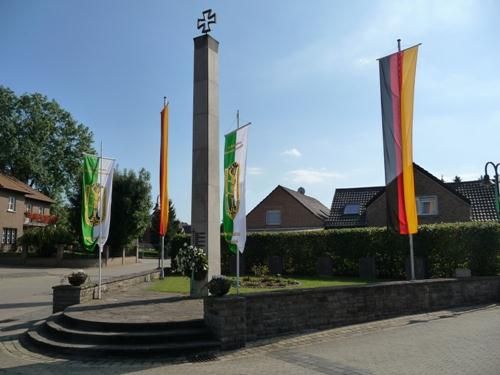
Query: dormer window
[(427, 206), (352, 209)]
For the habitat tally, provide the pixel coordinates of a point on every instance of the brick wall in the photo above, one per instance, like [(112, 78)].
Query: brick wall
[(293, 214), (450, 207), (236, 319)]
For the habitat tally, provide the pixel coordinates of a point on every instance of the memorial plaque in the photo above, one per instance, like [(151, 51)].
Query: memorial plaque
[(324, 266), (367, 268), (275, 265)]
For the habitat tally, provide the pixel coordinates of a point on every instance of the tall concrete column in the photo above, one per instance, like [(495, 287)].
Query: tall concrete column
[(205, 198)]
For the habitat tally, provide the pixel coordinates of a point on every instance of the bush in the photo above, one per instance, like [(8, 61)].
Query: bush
[(444, 247), (45, 239)]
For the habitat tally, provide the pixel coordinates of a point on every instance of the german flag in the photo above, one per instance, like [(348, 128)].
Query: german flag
[(397, 82), (164, 206)]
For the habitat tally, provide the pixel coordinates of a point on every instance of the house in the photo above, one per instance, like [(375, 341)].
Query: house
[(21, 207), (437, 202), (287, 210)]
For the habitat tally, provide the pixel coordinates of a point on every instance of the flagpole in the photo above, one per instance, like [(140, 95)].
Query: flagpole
[(162, 272), (99, 244), (237, 249), (410, 236)]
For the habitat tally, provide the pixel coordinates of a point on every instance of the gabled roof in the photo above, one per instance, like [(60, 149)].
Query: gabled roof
[(343, 197), (317, 208), (433, 178), (481, 198), (13, 184)]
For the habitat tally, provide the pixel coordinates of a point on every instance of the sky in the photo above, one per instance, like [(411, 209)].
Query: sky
[(303, 72)]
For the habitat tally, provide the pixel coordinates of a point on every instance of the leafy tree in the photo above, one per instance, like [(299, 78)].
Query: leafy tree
[(40, 143), (130, 207), (457, 179)]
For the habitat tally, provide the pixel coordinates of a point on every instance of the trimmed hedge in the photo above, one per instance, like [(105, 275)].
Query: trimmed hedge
[(444, 247)]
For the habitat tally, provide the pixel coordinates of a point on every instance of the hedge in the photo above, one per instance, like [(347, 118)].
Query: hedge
[(443, 247)]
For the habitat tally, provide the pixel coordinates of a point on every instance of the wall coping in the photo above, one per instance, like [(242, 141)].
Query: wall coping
[(109, 280), (382, 284)]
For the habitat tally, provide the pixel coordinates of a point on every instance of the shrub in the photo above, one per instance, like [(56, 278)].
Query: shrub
[(444, 247), (45, 239)]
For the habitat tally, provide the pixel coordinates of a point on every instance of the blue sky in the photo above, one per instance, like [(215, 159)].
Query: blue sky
[(303, 72)]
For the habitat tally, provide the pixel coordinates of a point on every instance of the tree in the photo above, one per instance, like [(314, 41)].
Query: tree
[(40, 143), (173, 224), (130, 207), (457, 179)]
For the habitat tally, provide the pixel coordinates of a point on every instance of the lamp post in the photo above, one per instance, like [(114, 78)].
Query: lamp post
[(487, 180)]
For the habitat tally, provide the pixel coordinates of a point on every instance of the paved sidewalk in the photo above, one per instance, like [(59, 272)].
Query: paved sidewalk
[(26, 293), (457, 341), (137, 305)]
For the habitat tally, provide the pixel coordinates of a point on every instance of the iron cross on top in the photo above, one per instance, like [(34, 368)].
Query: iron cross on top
[(205, 22)]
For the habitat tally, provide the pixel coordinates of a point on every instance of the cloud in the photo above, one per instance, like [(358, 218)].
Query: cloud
[(293, 152), (255, 171), (311, 176), (414, 20)]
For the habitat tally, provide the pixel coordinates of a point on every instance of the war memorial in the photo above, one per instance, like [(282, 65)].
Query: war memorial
[(122, 323)]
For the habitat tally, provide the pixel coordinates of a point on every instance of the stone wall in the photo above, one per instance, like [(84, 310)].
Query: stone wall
[(235, 320), (65, 262), (68, 295)]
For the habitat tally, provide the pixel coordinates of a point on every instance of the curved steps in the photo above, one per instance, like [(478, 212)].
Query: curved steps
[(67, 336)]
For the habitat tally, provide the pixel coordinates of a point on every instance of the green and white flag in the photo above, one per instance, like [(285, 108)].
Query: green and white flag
[(96, 200), (235, 159)]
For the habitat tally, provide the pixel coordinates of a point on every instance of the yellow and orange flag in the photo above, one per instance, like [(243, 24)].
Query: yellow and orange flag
[(164, 206)]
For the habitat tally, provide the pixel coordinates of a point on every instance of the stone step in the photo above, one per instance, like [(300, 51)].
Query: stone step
[(56, 329), (82, 324), (37, 339)]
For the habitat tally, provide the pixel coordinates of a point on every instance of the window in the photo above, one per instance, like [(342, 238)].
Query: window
[(352, 209), (273, 217), (29, 207), (41, 210), (9, 236), (427, 206), (12, 204)]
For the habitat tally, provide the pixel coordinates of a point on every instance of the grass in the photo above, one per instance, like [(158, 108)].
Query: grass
[(180, 284)]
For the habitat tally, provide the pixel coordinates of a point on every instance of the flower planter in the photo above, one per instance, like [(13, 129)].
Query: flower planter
[(77, 279)]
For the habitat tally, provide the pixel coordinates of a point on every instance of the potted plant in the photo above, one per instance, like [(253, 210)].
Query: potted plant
[(192, 261), (77, 278), (219, 286)]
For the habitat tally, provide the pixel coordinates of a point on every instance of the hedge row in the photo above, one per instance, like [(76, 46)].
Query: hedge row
[(444, 247)]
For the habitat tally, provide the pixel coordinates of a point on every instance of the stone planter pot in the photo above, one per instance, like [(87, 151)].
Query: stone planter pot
[(219, 286), (77, 279), (199, 275)]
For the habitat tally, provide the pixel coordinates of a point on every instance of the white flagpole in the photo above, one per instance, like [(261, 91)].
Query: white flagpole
[(412, 264), (162, 272), (237, 250), (101, 191)]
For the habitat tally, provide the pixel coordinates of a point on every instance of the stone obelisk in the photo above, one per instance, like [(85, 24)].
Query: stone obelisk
[(205, 194)]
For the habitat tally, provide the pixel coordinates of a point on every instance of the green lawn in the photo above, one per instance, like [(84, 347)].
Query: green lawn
[(180, 284)]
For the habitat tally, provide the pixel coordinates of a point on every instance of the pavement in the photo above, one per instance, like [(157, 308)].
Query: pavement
[(26, 293), (137, 305), (456, 341)]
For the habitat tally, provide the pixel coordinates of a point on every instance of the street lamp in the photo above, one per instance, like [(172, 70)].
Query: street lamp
[(487, 180)]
